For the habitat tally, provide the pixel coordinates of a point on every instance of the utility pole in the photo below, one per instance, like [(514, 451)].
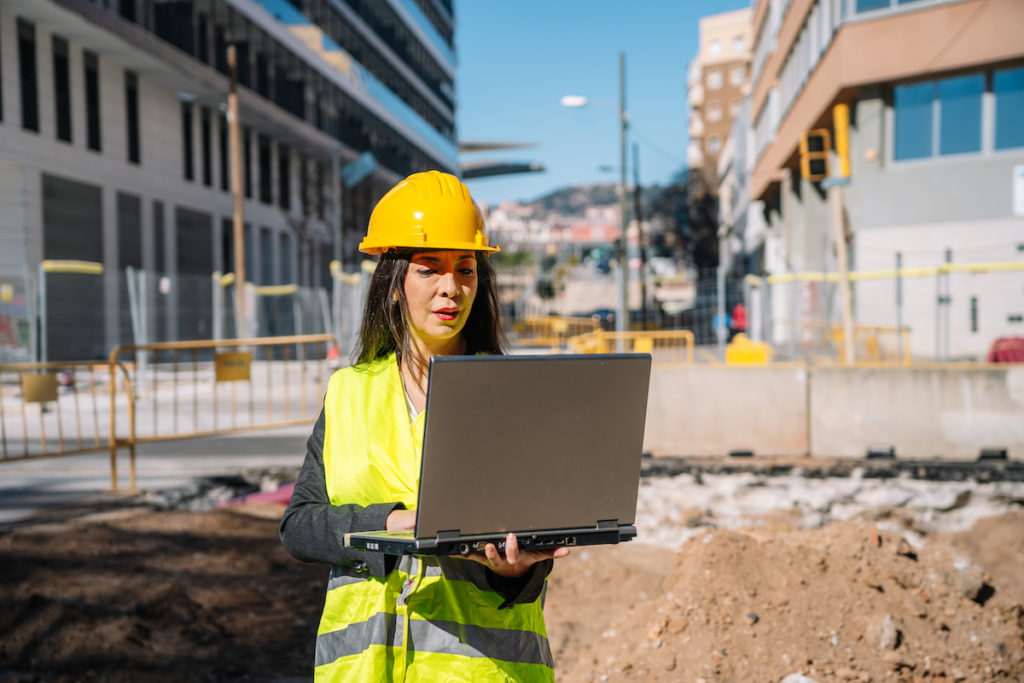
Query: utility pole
[(235, 136), (638, 212), (622, 314), (835, 186)]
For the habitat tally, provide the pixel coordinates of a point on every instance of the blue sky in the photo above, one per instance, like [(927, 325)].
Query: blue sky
[(517, 59)]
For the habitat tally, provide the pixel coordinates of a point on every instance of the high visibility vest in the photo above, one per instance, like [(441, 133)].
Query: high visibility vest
[(431, 618)]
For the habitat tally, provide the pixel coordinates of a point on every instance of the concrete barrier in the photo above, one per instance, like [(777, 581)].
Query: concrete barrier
[(927, 412), (711, 410)]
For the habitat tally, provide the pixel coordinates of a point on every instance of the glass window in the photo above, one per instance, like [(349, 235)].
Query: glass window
[(714, 80), (869, 5), (738, 44), (1008, 87), (206, 142), (131, 104), (92, 101), (61, 88), (912, 109), (715, 48), (737, 75), (186, 140), (714, 144), (960, 114), (27, 72), (714, 111)]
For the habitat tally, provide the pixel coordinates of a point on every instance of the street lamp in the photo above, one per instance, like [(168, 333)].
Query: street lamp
[(575, 102)]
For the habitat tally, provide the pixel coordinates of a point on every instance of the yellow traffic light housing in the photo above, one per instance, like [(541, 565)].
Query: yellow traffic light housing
[(815, 146), (841, 124)]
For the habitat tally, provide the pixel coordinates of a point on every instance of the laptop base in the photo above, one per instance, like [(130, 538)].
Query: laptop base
[(405, 543)]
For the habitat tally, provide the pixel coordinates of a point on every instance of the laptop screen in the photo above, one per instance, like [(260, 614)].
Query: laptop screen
[(531, 442)]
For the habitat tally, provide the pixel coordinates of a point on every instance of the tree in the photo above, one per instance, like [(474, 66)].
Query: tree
[(689, 210)]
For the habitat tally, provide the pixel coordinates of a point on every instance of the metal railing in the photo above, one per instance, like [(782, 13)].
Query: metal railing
[(551, 331), (209, 387), (53, 408), (819, 339), (665, 346)]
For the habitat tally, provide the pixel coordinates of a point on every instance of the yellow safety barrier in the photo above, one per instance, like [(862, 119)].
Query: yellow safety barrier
[(873, 343), (665, 346), (55, 408), (552, 331), (177, 390)]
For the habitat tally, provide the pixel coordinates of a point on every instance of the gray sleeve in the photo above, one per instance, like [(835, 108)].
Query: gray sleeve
[(525, 589), (313, 530)]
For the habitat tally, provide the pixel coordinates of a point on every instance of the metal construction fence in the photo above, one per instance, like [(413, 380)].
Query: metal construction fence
[(160, 391), (948, 312), (76, 310)]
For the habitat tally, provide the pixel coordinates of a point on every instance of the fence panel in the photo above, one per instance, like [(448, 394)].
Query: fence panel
[(56, 408)]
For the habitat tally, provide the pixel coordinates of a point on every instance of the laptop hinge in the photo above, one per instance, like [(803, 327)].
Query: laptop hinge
[(448, 535), (607, 524)]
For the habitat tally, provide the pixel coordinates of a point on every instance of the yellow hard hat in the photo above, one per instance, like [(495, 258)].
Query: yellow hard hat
[(430, 210)]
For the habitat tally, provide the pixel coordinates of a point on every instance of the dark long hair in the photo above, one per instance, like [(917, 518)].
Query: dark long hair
[(385, 328)]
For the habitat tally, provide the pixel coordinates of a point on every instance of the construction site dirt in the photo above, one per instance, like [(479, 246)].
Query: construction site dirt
[(753, 575)]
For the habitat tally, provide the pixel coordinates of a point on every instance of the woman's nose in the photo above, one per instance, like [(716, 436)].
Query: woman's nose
[(447, 285)]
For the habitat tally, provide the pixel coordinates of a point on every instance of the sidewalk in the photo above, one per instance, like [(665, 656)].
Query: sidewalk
[(29, 486)]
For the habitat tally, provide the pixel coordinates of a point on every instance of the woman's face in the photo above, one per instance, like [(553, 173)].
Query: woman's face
[(440, 287)]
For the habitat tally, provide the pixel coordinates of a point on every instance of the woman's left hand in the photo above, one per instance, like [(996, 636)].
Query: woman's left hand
[(515, 562)]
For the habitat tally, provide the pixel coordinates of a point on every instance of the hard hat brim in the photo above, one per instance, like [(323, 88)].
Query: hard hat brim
[(377, 247)]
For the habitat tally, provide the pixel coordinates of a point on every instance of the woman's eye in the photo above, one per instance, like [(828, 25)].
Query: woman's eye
[(466, 271), (426, 272)]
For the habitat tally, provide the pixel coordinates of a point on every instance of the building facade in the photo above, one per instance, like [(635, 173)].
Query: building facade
[(717, 80), (935, 90), (114, 145)]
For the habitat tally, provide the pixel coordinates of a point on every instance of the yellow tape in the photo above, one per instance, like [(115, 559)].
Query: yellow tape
[(817, 276), (276, 290), (81, 267)]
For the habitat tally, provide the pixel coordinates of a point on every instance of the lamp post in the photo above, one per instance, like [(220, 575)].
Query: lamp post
[(577, 101)]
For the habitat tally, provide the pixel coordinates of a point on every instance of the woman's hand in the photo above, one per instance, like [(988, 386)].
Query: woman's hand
[(515, 562), (401, 519)]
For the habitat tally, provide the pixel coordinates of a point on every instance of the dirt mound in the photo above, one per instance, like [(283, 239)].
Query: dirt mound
[(141, 595), (846, 602), (137, 595)]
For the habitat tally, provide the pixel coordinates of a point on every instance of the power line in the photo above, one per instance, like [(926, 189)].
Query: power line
[(657, 148)]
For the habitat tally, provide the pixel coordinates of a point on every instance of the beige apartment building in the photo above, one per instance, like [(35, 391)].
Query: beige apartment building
[(717, 80), (935, 90)]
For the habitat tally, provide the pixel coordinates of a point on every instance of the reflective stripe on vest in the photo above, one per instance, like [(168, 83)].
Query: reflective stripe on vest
[(429, 615)]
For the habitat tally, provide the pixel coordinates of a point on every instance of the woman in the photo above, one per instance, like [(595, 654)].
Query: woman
[(473, 618)]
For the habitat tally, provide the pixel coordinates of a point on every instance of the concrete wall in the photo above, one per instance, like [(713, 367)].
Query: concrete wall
[(941, 413), (708, 410), (945, 413)]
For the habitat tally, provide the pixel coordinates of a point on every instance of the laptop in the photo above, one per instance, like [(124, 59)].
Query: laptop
[(545, 446)]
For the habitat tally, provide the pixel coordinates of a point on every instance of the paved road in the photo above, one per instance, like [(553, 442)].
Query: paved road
[(27, 486)]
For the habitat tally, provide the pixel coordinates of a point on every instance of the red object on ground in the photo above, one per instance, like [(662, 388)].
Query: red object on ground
[(1006, 350), (282, 495)]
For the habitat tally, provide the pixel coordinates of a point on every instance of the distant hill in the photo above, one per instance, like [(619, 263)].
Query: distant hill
[(574, 200)]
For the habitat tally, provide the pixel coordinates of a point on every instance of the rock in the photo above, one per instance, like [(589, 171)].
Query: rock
[(969, 578), (797, 678), (883, 634), (752, 618)]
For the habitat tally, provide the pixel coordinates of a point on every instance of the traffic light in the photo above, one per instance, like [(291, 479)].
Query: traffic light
[(841, 124), (814, 150)]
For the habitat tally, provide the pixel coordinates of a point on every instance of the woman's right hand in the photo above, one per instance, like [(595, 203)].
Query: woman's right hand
[(401, 519)]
